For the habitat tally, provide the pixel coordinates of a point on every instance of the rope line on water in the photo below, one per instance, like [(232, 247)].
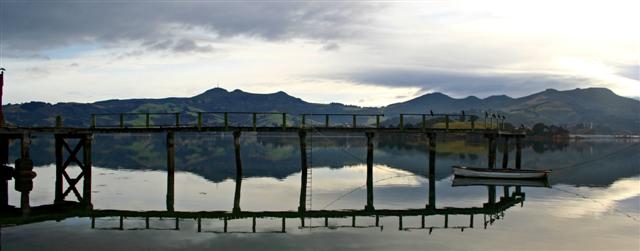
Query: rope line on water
[(598, 158), (598, 202), (608, 155), (360, 187)]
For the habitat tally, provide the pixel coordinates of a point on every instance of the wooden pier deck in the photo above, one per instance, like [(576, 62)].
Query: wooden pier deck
[(73, 146)]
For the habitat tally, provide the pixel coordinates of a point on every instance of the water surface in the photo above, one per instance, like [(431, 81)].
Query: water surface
[(593, 202)]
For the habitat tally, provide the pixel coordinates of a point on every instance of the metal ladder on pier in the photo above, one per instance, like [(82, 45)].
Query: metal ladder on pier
[(309, 196), (309, 185)]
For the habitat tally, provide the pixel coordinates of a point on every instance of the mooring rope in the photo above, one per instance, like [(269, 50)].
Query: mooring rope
[(608, 155), (598, 202), (360, 187), (598, 158)]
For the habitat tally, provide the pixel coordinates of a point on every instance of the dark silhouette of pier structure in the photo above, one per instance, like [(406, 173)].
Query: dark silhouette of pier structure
[(73, 145)]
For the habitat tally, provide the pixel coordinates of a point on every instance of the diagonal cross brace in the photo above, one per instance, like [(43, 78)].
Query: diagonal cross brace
[(62, 163), (73, 154)]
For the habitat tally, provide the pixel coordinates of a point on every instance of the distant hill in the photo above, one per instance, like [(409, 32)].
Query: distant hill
[(594, 110)]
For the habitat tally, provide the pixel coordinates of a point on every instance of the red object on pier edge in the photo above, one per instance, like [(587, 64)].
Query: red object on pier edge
[(1, 87)]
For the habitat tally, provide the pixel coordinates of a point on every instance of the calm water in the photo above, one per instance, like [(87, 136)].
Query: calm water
[(593, 202)]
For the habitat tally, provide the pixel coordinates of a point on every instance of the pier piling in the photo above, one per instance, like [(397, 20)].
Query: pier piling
[(432, 171), (236, 198), (304, 166), (505, 153), (369, 206), (171, 168)]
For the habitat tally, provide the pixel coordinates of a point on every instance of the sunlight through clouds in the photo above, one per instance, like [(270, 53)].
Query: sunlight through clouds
[(364, 50)]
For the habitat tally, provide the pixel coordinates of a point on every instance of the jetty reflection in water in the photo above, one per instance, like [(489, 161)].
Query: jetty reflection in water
[(490, 211), (400, 181)]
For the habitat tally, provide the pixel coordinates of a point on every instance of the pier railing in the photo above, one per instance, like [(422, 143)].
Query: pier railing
[(327, 121), (254, 120), (446, 118)]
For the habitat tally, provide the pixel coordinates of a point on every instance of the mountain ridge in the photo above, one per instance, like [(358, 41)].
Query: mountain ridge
[(579, 107)]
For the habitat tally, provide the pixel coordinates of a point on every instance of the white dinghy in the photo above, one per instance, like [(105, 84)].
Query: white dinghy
[(474, 172)]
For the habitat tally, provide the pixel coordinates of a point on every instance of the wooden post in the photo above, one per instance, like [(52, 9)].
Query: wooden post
[(401, 122), (177, 223), (446, 220), (177, 119), (199, 120), (225, 224), (369, 206), (303, 121), (471, 221), (432, 171), (446, 122), (505, 191), (354, 121), (86, 188), (492, 151), (93, 222), (284, 121), (23, 181), (121, 225), (59, 168), (58, 121), (326, 120), (284, 222), (377, 121), (147, 119), (253, 226), (226, 121), (326, 221), (473, 123), (424, 122), (422, 221), (518, 151), (377, 220), (146, 222), (505, 153), (7, 173), (304, 167), (236, 143), (236, 196), (491, 189), (93, 121), (255, 120), (170, 170), (400, 222), (353, 221), (121, 120), (200, 224)]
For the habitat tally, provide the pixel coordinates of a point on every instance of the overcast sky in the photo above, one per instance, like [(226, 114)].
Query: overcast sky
[(362, 53)]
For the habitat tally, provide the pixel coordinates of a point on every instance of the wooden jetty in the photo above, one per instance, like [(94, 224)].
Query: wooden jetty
[(73, 145)]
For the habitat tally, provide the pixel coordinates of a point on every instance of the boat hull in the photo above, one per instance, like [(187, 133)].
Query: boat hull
[(499, 173), (465, 181)]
